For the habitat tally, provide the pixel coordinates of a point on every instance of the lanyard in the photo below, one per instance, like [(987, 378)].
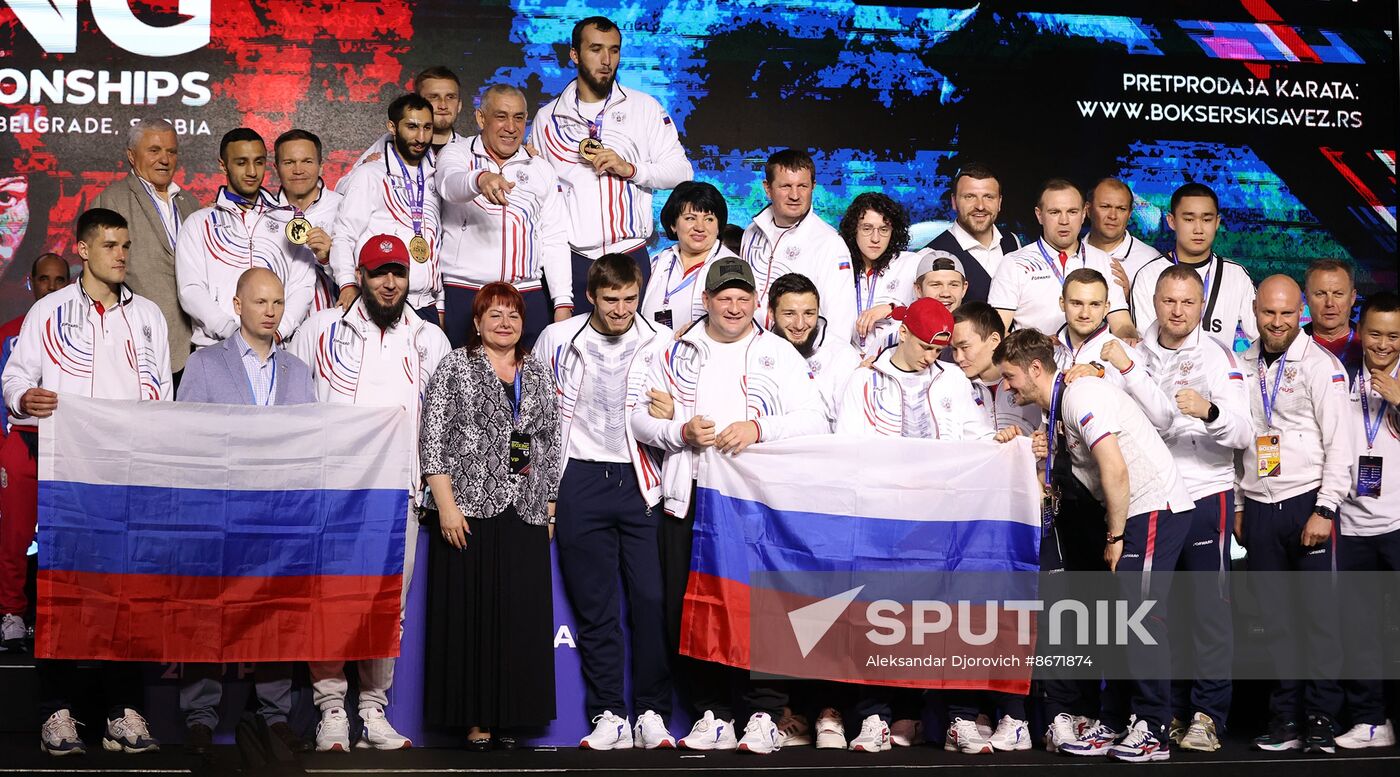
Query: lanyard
[(515, 409), (1051, 441), (258, 206), (1371, 429), (688, 278), (271, 384), (1053, 263), (172, 236), (1074, 352), (412, 197), (1206, 279), (1264, 395), (874, 280)]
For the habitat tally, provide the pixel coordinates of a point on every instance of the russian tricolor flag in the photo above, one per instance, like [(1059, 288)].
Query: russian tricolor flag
[(215, 533), (787, 525)]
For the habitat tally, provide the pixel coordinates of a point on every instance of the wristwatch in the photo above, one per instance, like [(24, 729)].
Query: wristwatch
[(1212, 414), (1325, 512), (1112, 538)]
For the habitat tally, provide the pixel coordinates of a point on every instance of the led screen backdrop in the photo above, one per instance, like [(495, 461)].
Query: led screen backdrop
[(1288, 109)]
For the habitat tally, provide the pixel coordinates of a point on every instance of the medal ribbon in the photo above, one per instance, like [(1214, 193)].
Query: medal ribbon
[(1047, 515), (412, 197)]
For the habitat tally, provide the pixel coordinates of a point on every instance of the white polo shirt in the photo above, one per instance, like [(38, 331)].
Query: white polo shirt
[(1092, 409), (1133, 253), (989, 257), (1229, 297), (1030, 281)]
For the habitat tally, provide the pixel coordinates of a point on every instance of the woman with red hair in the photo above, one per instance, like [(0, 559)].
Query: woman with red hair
[(490, 452)]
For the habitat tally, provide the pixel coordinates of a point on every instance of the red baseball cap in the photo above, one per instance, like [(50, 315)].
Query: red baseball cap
[(381, 250), (927, 320)]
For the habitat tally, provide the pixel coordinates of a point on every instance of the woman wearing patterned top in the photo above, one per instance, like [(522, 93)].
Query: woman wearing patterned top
[(490, 452)]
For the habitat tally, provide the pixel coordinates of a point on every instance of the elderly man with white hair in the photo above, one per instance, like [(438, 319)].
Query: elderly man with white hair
[(154, 206)]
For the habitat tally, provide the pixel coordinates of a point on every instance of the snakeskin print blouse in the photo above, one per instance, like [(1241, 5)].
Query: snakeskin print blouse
[(467, 423)]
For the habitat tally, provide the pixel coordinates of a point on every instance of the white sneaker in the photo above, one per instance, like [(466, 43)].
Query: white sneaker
[(333, 732), (874, 736), (1063, 729), (963, 737), (1094, 742), (609, 733), (651, 733), (710, 734), (12, 633), (1011, 734), (59, 735), (760, 735), (831, 730), (1368, 735), (129, 734), (378, 733), (793, 730), (907, 733)]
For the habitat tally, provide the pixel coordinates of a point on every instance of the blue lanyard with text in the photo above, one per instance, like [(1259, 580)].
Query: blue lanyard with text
[(1269, 398), (1206, 279), (515, 409), (1052, 263), (1371, 429), (869, 292), (688, 279), (271, 384)]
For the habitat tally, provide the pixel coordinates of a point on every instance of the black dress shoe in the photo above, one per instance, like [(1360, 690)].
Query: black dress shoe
[(284, 734), (480, 745), (199, 739), (505, 742)]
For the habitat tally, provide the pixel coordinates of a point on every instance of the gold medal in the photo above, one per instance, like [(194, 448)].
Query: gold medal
[(418, 249), (589, 148), (298, 230)]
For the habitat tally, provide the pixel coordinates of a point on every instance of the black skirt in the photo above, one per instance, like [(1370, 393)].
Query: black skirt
[(490, 650)]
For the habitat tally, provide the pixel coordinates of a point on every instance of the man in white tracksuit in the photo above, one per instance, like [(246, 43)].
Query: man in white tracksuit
[(376, 354), (733, 384), (502, 220), (612, 148), (605, 526), (787, 237)]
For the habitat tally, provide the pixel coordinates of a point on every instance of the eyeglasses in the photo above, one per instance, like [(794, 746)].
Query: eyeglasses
[(866, 230)]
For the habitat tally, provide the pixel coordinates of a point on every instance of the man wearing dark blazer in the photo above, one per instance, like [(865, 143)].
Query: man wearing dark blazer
[(248, 368), (154, 207)]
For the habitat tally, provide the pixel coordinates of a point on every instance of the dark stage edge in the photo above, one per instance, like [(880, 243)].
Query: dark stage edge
[(21, 755)]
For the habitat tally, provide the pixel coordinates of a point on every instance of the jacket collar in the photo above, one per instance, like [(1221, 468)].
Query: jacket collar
[(477, 147), (884, 365), (569, 99)]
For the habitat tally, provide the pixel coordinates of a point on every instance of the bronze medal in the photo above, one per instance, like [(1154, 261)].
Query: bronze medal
[(418, 249), (589, 148), (298, 230)]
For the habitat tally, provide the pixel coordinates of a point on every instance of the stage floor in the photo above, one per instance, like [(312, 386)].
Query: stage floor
[(21, 755)]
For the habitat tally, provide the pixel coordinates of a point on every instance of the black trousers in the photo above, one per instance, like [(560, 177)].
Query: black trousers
[(1301, 612), (705, 685), (581, 265), (59, 685), (603, 529), (1363, 605)]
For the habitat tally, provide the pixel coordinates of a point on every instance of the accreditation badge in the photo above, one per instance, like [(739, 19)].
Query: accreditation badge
[(1268, 450), (519, 453), (663, 317), (1368, 476)]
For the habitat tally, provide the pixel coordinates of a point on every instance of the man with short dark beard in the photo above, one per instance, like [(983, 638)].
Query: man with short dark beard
[(794, 306), (395, 195), (375, 354)]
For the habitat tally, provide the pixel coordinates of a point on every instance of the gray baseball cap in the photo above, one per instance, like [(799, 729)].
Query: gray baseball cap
[(729, 271)]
